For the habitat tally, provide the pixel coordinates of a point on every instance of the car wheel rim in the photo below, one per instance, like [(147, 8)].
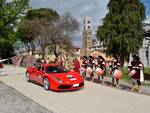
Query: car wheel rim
[(46, 84), (27, 76)]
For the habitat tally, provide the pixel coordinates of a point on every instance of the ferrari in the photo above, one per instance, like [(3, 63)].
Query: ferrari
[(55, 77)]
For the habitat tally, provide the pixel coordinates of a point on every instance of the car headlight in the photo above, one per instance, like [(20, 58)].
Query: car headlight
[(59, 80), (69, 76)]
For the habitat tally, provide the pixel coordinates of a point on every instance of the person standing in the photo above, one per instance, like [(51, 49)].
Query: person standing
[(90, 66), (83, 66), (136, 68), (1, 67), (101, 68), (115, 71), (66, 63), (76, 64), (60, 61)]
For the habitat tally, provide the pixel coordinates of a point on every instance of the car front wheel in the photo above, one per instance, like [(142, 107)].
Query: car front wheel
[(27, 77), (46, 84)]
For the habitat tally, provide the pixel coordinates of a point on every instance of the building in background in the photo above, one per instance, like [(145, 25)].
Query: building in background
[(97, 49), (144, 52), (86, 36), (90, 45)]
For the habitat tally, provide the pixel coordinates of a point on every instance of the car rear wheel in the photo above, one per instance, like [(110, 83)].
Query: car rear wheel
[(27, 77), (46, 83)]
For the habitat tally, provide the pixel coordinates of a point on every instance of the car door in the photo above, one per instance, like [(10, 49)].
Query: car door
[(33, 73), (39, 75)]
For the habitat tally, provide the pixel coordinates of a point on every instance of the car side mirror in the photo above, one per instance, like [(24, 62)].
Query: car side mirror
[(42, 72)]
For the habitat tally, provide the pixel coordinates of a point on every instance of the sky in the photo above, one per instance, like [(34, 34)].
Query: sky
[(97, 9)]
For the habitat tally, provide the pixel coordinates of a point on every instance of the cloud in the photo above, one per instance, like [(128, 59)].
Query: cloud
[(147, 20), (78, 8), (147, 8), (97, 9)]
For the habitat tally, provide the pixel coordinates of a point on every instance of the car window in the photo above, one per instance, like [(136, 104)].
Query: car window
[(55, 69), (38, 66)]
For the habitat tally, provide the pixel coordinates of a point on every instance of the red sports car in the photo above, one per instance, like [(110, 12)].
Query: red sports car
[(55, 77)]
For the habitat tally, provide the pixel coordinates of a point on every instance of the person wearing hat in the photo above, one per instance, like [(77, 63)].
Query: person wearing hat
[(90, 66), (83, 66), (114, 67), (102, 65), (84, 62), (38, 63), (136, 70)]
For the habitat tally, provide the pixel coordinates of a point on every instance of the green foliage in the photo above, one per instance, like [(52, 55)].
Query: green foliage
[(122, 26), (125, 76), (42, 13), (45, 28), (10, 13), (33, 21), (147, 70)]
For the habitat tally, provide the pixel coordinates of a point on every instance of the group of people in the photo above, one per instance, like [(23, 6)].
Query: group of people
[(90, 66)]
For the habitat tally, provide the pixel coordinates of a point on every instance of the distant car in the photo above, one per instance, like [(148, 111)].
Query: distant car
[(55, 77)]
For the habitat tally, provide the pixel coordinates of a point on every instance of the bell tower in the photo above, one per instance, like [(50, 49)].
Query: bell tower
[(87, 35)]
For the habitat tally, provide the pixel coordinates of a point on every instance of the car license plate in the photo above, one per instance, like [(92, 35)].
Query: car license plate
[(75, 85), (73, 79)]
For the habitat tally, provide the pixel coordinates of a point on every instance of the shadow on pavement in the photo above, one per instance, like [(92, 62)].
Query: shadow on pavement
[(109, 83)]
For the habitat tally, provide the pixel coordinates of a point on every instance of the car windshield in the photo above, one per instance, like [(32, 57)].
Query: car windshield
[(55, 69)]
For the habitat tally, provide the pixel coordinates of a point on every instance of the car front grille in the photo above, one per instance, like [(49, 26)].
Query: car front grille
[(70, 86), (64, 87)]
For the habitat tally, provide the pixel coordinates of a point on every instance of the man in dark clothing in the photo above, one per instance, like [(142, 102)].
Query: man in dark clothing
[(115, 66), (102, 65), (83, 66), (137, 67), (91, 65)]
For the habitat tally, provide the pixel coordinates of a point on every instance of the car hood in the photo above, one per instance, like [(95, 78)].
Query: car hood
[(68, 76)]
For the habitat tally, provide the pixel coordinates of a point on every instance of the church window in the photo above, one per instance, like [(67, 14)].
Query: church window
[(89, 27)]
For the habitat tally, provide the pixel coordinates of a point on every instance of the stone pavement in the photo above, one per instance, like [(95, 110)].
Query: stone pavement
[(93, 98), (11, 101), (108, 82)]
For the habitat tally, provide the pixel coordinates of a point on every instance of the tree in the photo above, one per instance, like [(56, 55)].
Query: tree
[(10, 13), (121, 28), (59, 34), (32, 24), (48, 29), (27, 32)]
